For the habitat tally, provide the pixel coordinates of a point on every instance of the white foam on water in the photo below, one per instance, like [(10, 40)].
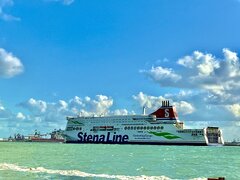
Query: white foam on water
[(77, 173), (13, 167)]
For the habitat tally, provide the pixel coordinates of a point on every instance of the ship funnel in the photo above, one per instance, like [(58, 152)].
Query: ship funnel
[(166, 111)]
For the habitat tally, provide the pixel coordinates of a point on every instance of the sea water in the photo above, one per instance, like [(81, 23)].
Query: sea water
[(100, 161)]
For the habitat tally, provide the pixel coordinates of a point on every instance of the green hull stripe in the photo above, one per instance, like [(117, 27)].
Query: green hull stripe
[(166, 135)]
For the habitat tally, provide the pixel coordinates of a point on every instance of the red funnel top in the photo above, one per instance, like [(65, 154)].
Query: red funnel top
[(166, 112)]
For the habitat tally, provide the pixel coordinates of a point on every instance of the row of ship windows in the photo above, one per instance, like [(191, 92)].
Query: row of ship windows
[(194, 134), (143, 127), (190, 131), (125, 128), (117, 121), (73, 128)]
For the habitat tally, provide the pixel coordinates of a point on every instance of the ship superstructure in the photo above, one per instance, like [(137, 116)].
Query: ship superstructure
[(160, 127)]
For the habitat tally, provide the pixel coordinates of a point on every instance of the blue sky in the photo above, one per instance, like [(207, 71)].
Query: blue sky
[(63, 57)]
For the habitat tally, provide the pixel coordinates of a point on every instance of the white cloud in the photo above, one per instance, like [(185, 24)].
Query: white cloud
[(77, 101), (20, 116), (204, 64), (9, 64), (121, 112), (101, 104), (2, 108), (57, 111), (220, 78), (87, 106), (150, 102), (235, 109), (3, 15), (184, 107), (62, 105), (230, 67), (165, 76), (46, 116), (35, 106), (229, 55)]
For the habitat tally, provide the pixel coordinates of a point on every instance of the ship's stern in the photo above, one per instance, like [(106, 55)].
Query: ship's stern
[(213, 136)]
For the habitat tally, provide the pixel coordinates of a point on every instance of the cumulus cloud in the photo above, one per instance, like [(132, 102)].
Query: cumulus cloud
[(220, 78), (45, 111), (46, 116), (184, 107), (20, 116), (121, 112), (166, 76), (101, 104), (42, 111), (148, 101), (35, 106), (87, 106), (204, 64), (10, 65), (200, 63), (3, 15)]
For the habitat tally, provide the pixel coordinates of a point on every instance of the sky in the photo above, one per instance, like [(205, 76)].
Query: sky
[(63, 58)]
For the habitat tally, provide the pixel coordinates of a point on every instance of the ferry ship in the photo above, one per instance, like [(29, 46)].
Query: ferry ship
[(161, 127)]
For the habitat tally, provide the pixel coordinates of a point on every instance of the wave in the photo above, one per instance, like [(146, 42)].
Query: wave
[(77, 173)]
